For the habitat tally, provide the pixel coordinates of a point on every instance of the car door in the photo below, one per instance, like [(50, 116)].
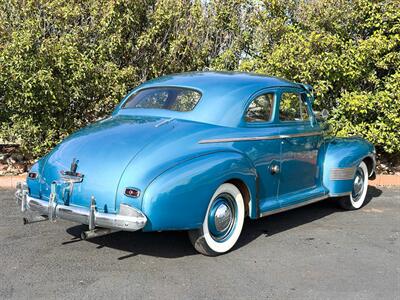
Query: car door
[(300, 139), (263, 148)]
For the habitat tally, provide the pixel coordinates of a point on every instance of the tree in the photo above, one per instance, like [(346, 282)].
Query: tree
[(66, 64)]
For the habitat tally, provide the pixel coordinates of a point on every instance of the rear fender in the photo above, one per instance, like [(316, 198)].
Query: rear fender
[(342, 156), (178, 198)]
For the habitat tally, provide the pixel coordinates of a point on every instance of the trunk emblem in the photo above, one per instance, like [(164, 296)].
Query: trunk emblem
[(71, 175)]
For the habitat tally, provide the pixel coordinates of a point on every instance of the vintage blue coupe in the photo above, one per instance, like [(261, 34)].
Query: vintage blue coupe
[(198, 152)]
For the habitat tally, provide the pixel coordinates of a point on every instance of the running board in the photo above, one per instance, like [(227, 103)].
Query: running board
[(299, 204)]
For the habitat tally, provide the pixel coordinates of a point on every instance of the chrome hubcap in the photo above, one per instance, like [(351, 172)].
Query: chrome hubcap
[(358, 185), (222, 217)]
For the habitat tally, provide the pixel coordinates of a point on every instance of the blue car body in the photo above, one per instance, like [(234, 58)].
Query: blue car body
[(176, 160)]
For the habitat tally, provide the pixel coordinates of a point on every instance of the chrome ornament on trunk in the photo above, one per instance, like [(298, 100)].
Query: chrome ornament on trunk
[(71, 175), (68, 179)]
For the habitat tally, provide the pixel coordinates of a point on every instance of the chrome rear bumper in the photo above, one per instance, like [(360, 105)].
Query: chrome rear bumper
[(128, 219)]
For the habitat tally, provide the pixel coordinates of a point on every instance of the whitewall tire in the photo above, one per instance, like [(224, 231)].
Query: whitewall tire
[(222, 223), (360, 186)]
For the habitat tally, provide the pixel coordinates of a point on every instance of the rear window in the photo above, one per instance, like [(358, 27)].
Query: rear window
[(177, 99)]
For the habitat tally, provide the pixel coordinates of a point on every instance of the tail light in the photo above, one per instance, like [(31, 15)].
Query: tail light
[(132, 192), (32, 175)]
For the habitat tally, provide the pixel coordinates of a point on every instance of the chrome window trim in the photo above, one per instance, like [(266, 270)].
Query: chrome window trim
[(271, 115), (135, 92), (259, 138), (302, 100)]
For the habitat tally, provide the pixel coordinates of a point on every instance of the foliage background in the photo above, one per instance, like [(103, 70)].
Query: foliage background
[(64, 64)]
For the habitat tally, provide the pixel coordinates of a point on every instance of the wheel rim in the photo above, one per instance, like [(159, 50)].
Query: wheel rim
[(222, 217), (358, 185)]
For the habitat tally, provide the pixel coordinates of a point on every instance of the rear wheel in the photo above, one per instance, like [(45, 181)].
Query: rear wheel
[(222, 224), (360, 185)]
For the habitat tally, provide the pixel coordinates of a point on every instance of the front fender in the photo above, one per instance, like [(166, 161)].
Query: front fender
[(178, 198), (342, 156)]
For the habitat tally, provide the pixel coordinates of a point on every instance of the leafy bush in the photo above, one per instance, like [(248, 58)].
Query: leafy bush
[(374, 115), (66, 64)]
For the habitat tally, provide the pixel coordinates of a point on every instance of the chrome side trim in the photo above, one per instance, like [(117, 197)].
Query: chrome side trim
[(342, 173), (288, 136), (163, 122), (340, 194), (282, 209), (259, 138), (241, 139)]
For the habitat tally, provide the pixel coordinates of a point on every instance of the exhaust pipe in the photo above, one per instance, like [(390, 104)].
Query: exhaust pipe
[(97, 232), (34, 219)]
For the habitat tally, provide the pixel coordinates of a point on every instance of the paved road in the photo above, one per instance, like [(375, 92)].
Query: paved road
[(314, 252)]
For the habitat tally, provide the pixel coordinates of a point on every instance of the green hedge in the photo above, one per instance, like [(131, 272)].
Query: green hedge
[(66, 64)]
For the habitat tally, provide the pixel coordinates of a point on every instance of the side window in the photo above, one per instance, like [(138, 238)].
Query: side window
[(260, 109), (292, 107)]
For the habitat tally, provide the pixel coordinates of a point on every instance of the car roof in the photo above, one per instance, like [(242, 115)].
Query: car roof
[(225, 80), (224, 94)]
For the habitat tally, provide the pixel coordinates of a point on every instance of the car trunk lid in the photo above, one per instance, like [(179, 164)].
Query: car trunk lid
[(101, 152)]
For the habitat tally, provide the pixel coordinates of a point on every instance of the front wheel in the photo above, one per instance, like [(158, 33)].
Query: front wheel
[(222, 224), (360, 185)]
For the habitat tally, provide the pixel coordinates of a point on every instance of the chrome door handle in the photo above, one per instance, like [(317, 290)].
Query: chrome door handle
[(275, 169)]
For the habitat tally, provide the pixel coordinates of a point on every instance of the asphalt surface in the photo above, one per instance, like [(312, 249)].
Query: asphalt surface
[(313, 252)]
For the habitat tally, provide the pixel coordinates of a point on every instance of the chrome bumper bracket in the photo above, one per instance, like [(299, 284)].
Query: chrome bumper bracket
[(52, 203), (92, 212)]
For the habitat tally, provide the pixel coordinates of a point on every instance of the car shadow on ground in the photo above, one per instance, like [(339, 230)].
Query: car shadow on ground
[(174, 244)]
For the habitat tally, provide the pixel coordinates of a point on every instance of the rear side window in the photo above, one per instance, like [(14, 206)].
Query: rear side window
[(260, 109), (170, 98), (292, 107)]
